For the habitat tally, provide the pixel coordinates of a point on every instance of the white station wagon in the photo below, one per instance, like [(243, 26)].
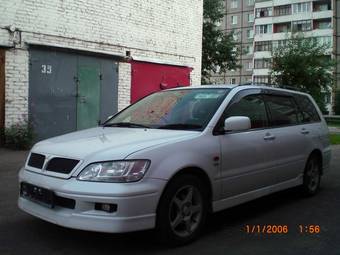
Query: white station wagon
[(171, 158)]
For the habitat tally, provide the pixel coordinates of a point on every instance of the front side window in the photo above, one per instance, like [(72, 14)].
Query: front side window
[(251, 106), (283, 110), (186, 109)]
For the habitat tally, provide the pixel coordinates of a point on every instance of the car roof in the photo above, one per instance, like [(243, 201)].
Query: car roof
[(245, 86)]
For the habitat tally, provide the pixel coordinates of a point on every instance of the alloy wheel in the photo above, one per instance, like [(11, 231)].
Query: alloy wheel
[(185, 211)]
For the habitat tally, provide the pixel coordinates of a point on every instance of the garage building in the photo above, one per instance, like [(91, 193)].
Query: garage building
[(68, 65)]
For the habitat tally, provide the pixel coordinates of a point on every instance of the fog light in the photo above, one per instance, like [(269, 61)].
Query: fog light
[(110, 208)]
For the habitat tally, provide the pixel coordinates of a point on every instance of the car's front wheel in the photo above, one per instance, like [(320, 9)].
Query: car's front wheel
[(182, 210)]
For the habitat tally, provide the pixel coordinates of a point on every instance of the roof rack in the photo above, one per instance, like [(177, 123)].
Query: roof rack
[(255, 83), (270, 85)]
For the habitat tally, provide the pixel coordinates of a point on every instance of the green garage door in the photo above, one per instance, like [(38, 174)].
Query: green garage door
[(88, 101)]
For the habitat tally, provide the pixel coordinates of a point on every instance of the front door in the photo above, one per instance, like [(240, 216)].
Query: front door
[(88, 99), (243, 157)]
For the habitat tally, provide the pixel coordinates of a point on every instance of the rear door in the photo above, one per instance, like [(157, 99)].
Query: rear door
[(286, 140)]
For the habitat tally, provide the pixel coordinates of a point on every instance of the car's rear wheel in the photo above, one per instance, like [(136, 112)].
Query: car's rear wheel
[(312, 176), (182, 210)]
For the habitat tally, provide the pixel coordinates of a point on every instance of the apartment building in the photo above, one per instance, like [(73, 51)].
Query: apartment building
[(276, 20), (239, 18)]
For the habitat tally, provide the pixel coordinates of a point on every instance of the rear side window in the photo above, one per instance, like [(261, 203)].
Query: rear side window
[(307, 108), (251, 106), (283, 110)]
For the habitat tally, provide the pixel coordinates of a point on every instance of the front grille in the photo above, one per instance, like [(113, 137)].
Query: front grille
[(36, 160), (61, 165)]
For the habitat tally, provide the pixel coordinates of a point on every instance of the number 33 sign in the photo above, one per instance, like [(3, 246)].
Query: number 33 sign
[(46, 69)]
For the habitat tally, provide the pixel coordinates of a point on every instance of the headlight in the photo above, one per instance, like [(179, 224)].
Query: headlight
[(115, 171)]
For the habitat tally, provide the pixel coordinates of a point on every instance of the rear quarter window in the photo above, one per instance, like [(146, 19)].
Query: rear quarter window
[(307, 108)]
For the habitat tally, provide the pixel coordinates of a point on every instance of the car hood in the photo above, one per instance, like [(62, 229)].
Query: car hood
[(109, 142)]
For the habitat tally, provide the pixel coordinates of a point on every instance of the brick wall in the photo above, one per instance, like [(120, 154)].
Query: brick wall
[(168, 31), (124, 88), (16, 89)]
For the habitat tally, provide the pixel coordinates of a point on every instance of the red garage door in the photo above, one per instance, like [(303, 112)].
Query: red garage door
[(148, 78)]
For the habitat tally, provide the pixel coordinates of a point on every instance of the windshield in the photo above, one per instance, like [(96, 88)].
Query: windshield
[(186, 109)]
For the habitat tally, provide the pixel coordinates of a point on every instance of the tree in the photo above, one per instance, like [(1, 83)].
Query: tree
[(337, 102), (218, 48), (301, 63)]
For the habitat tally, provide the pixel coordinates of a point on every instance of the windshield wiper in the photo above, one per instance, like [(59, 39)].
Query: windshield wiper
[(125, 124), (180, 126)]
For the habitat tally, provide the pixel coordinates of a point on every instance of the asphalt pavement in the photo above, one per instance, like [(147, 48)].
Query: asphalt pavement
[(225, 233)]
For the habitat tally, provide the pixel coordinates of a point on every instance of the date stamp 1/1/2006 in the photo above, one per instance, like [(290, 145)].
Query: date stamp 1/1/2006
[(281, 229)]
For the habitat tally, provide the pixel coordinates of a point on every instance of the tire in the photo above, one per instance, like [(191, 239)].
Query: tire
[(312, 176), (182, 211)]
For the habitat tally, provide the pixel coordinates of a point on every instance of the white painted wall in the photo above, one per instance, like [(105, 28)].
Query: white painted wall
[(168, 31)]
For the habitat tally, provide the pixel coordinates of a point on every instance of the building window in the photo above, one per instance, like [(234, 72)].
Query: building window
[(250, 17), (282, 10), (302, 25), (232, 80), (264, 12), (279, 43), (262, 63), (249, 66), (263, 29), (322, 6), (282, 27), (250, 2), (261, 79), (263, 46), (250, 33), (234, 20), (234, 4), (235, 37), (302, 7), (249, 50), (323, 24)]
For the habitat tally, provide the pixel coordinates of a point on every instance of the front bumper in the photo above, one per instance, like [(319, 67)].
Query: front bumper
[(136, 203)]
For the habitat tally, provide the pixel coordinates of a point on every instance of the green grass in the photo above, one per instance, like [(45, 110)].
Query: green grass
[(335, 138)]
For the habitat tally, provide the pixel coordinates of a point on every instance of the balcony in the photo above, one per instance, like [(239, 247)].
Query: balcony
[(283, 10), (324, 5), (282, 27), (322, 23)]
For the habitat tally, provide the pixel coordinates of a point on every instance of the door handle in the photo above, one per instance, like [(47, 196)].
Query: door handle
[(269, 137), (304, 131)]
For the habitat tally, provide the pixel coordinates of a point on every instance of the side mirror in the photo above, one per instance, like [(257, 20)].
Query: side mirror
[(237, 123)]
